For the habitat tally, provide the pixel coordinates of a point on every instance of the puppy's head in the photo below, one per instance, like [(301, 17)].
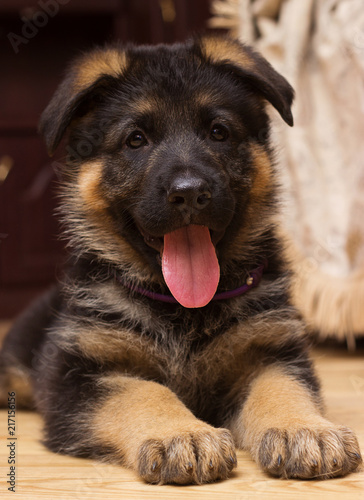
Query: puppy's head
[(169, 161)]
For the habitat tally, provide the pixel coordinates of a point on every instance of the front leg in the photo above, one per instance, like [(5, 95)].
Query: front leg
[(282, 425), (145, 426)]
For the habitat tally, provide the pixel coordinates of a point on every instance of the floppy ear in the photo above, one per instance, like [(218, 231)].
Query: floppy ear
[(256, 71), (86, 79)]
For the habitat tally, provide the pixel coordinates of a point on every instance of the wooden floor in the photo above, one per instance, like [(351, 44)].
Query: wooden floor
[(44, 475)]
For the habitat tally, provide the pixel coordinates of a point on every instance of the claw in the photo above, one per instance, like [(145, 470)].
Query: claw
[(211, 466), (279, 461), (335, 462), (154, 466), (189, 467)]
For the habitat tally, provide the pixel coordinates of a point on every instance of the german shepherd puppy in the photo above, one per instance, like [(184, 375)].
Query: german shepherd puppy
[(171, 339)]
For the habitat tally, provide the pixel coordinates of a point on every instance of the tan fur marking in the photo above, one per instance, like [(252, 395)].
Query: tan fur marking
[(147, 410), (88, 197), (258, 218), (219, 50), (263, 179), (206, 98), (145, 105), (102, 62), (285, 431), (123, 347), (277, 400), (89, 180), (157, 435), (222, 359)]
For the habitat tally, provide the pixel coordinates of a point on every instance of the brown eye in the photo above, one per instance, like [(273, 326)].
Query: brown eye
[(136, 140), (219, 133)]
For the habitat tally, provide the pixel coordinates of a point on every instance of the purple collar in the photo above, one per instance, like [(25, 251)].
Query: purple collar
[(252, 281)]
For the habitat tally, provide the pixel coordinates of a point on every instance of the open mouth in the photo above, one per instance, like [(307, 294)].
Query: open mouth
[(157, 243), (189, 263)]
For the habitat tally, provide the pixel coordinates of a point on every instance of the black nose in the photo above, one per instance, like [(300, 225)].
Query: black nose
[(189, 192)]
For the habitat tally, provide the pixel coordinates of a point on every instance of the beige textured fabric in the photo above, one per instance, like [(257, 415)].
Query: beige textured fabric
[(318, 45)]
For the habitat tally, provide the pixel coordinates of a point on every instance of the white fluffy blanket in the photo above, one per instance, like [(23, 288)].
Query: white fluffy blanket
[(318, 45)]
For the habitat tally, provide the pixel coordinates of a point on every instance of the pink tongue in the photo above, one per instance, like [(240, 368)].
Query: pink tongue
[(190, 266)]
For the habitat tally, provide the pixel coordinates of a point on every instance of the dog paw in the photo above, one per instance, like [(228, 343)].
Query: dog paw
[(306, 453), (196, 457)]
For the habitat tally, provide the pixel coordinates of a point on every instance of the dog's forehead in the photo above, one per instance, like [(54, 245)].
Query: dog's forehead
[(173, 81), (163, 61)]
